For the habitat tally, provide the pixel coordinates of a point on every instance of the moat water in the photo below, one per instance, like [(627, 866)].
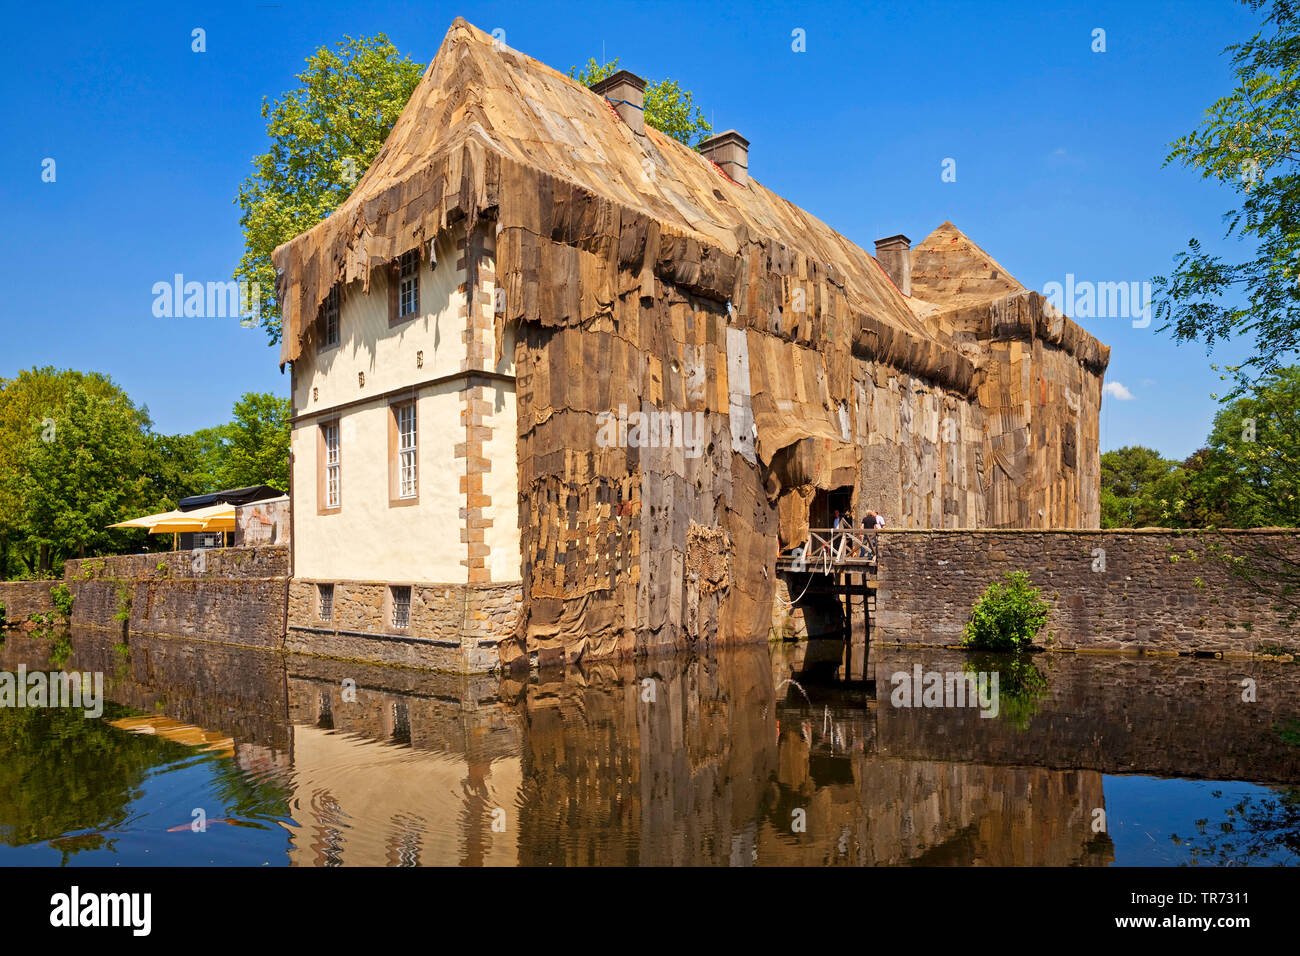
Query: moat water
[(207, 754)]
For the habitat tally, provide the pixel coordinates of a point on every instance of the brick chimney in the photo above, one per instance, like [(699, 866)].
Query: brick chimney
[(730, 151), (626, 92), (895, 257)]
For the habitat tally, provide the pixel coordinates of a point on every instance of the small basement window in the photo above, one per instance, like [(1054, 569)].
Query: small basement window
[(401, 598), (325, 601)]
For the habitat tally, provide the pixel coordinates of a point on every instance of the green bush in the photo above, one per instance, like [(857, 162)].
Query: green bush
[(2, 613), (1007, 616), (62, 599), (123, 614)]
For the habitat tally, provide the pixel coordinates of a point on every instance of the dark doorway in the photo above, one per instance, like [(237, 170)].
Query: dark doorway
[(821, 512)]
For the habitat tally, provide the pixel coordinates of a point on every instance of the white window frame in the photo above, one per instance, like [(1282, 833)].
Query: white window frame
[(408, 290), (333, 465), (408, 474)]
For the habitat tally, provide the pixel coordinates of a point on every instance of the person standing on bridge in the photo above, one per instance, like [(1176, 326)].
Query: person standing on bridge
[(870, 523)]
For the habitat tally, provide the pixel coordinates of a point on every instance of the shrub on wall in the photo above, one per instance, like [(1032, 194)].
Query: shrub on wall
[(1007, 616), (61, 597), (123, 614)]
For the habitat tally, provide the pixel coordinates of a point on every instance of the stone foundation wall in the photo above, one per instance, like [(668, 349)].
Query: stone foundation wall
[(453, 627), (1132, 590), (22, 599)]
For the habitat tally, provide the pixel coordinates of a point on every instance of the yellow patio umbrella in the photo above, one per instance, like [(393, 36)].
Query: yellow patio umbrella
[(148, 521), (212, 518)]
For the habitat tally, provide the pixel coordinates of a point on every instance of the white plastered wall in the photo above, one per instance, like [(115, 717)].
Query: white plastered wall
[(417, 350), (501, 484), (368, 539)]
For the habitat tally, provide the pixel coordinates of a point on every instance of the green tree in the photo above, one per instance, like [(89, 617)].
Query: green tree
[(1250, 474), (211, 451), (1249, 142), (85, 474), (668, 108), (324, 136), (181, 465), (257, 451), (1134, 480), (33, 404)]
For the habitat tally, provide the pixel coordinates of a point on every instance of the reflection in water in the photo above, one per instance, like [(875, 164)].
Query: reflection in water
[(755, 756)]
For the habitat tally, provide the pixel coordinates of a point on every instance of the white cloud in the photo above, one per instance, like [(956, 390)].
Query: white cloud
[(1116, 390)]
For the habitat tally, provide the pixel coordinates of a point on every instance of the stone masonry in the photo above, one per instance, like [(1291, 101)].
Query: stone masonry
[(459, 625), (1146, 590), (224, 595), (479, 339), (22, 599)]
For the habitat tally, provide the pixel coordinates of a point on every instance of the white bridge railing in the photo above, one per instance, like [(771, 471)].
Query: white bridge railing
[(828, 549)]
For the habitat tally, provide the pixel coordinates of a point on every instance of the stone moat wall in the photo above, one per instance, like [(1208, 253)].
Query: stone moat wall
[(1147, 590), (223, 595), (22, 599), (1150, 590), (241, 596)]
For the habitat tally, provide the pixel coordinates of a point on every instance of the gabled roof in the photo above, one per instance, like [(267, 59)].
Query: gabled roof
[(957, 286), (490, 131), (479, 97), (952, 272)]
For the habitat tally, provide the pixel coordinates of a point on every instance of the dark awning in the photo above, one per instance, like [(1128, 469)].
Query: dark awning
[(232, 496)]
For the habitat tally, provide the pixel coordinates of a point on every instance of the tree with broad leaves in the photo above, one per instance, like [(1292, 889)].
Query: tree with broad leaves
[(257, 443), (1250, 477), (34, 406), (667, 107), (89, 473), (1249, 142), (1130, 477), (324, 136)]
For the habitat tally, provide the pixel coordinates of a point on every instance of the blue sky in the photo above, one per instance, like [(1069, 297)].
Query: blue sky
[(1058, 152)]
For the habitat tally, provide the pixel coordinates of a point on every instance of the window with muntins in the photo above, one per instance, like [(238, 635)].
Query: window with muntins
[(409, 289), (408, 486), (402, 606), (333, 465), (331, 331)]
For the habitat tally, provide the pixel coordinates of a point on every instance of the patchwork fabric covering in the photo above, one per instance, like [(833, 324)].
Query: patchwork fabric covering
[(779, 357)]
